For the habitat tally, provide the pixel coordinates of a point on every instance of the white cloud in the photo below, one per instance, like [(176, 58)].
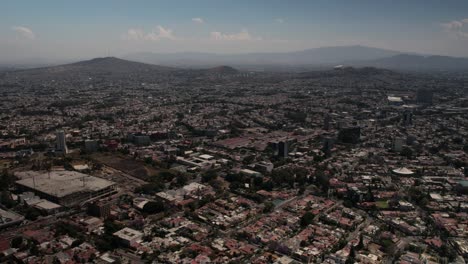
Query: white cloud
[(24, 32), (198, 20), (280, 20), (244, 35), (156, 34), (457, 27)]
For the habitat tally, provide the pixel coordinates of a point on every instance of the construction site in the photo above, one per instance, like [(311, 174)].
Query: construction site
[(67, 188)]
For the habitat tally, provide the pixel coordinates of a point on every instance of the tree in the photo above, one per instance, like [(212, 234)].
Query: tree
[(301, 190), (150, 188), (181, 179), (448, 252), (268, 207), (307, 219), (323, 181), (16, 242), (360, 245), (5, 180), (351, 256), (6, 200), (31, 213), (209, 176)]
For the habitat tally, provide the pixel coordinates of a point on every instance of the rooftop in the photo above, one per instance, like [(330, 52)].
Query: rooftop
[(62, 183)]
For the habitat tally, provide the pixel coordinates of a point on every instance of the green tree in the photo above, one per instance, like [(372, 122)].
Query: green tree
[(16, 242), (209, 176), (268, 207), (351, 256), (307, 219)]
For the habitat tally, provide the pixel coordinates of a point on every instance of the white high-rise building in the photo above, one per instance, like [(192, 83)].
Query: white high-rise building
[(61, 144), (397, 144)]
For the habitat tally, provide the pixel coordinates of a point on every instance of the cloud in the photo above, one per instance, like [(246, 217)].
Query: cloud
[(24, 32), (156, 34), (244, 35), (198, 20), (457, 27), (280, 20)]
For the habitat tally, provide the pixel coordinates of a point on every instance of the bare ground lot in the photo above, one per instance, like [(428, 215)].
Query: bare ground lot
[(132, 167)]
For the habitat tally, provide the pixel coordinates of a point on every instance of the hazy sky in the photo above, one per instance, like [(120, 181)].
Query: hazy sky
[(84, 29)]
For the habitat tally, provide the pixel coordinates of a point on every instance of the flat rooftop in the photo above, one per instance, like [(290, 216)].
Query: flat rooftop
[(7, 217), (62, 183)]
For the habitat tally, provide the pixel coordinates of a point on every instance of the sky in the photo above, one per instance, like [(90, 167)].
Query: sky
[(69, 29)]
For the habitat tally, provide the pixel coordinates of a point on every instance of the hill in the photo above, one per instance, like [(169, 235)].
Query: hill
[(111, 68), (417, 63), (223, 70), (108, 67)]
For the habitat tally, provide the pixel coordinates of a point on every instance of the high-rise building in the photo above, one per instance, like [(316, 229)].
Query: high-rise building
[(100, 209), (407, 118), (328, 142), (349, 135), (327, 122), (61, 144), (424, 96), (397, 144), (283, 149), (91, 145)]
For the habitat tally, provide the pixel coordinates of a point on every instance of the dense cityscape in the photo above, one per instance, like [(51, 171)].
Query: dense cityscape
[(234, 132), (112, 161)]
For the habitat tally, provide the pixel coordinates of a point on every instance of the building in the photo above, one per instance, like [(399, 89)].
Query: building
[(100, 209), (139, 139), (283, 150), (425, 96), (394, 100), (91, 145), (61, 144), (8, 218), (407, 118), (264, 166), (397, 144), (462, 187), (250, 173), (129, 236), (66, 188), (328, 145), (350, 135), (327, 122)]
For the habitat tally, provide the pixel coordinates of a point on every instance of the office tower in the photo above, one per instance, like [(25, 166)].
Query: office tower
[(350, 135), (407, 118), (327, 145), (61, 144), (425, 96), (283, 149), (327, 122), (397, 144)]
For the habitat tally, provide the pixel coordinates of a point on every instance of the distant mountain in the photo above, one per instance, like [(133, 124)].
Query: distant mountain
[(114, 68), (325, 57), (222, 70), (346, 71), (107, 64), (417, 63), (316, 56), (6, 68), (110, 67)]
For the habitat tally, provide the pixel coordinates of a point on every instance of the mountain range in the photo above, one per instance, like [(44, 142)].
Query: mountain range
[(359, 56), (299, 61)]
